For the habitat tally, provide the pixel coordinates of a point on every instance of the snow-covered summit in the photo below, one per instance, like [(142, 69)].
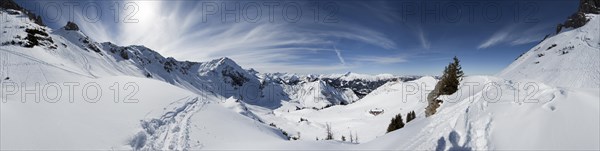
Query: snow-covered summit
[(349, 76)]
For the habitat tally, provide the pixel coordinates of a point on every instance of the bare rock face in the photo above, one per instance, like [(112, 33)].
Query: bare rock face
[(432, 100), (589, 6), (71, 26), (578, 19), (10, 4)]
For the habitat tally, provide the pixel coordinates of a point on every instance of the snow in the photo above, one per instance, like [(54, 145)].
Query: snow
[(541, 103), (82, 124), (349, 76), (355, 117), (473, 119), (569, 59)]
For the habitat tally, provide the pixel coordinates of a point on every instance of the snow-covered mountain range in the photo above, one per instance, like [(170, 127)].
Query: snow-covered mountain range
[(62, 90)]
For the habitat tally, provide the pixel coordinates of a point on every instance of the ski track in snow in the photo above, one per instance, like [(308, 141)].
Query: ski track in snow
[(43, 62), (170, 131)]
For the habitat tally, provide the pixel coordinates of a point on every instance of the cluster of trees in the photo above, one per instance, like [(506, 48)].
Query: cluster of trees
[(447, 85), (329, 135), (398, 123)]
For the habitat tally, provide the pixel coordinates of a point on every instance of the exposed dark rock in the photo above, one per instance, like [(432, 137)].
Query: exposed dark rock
[(10, 4), (589, 6), (38, 37), (237, 79), (71, 26), (578, 19), (124, 54), (447, 85)]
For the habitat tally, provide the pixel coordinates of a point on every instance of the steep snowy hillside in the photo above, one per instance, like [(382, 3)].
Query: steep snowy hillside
[(490, 113), (548, 101), (568, 59)]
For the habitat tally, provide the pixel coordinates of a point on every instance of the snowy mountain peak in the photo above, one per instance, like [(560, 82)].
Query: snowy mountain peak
[(220, 64), (347, 74), (71, 26), (226, 60), (73, 34)]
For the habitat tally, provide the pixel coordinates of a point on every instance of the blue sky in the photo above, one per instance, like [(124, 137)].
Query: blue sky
[(381, 36)]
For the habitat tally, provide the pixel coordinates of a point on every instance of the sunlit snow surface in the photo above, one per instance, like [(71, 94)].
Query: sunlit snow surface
[(547, 102)]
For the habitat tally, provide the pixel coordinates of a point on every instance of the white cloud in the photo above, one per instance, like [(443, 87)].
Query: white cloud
[(425, 44), (497, 38), (180, 33), (339, 55), (512, 36), (382, 59)]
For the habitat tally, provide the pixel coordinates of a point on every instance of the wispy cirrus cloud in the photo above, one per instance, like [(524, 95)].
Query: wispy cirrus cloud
[(514, 35), (382, 59), (425, 44), (177, 29), (497, 38), (339, 55)]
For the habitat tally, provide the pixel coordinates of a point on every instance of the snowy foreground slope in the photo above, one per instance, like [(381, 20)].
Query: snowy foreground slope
[(73, 93), (493, 113)]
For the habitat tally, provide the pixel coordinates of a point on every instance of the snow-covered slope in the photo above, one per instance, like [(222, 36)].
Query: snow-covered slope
[(568, 59), (68, 57), (72, 122), (131, 97), (547, 99), (354, 119), (490, 113)]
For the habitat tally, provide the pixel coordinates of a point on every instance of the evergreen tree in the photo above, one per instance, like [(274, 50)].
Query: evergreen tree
[(452, 76), (447, 85)]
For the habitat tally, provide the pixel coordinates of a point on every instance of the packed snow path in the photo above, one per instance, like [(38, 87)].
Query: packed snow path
[(170, 131)]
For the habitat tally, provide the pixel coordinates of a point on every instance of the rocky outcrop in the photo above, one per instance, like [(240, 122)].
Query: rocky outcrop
[(10, 4), (71, 26), (589, 6), (578, 19)]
